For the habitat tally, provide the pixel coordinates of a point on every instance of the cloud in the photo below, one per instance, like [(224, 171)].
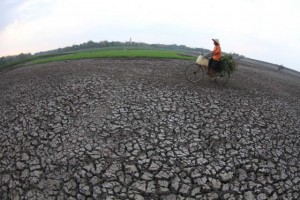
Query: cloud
[(8, 10)]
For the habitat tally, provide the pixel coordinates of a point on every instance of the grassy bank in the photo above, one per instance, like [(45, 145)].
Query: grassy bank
[(116, 54), (28, 60)]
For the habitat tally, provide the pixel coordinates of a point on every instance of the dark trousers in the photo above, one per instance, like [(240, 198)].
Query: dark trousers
[(213, 64)]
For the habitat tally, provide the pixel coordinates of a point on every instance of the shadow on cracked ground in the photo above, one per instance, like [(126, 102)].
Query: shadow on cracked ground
[(137, 129)]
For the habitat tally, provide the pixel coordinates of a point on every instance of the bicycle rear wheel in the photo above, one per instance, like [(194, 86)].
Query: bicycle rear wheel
[(222, 77), (194, 72)]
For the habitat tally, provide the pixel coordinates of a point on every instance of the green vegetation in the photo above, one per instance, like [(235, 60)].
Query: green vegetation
[(92, 48), (106, 49), (10, 61), (229, 62), (116, 54), (114, 45)]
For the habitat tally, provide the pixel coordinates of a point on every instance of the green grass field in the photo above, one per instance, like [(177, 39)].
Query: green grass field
[(156, 54)]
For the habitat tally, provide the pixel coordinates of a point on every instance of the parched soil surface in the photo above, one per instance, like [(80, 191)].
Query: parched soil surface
[(137, 129)]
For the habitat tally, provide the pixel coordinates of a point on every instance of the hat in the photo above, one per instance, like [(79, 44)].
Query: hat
[(216, 40)]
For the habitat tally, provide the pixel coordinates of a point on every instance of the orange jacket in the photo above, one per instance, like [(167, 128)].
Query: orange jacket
[(217, 53)]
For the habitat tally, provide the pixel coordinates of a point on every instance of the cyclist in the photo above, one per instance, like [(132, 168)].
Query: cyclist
[(214, 61)]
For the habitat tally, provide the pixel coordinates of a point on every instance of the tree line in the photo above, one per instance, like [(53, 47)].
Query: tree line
[(9, 59), (119, 45)]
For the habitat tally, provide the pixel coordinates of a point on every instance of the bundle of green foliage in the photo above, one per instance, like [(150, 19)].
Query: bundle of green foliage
[(228, 64)]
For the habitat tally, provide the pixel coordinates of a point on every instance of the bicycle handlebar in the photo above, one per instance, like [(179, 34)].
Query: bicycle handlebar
[(208, 55)]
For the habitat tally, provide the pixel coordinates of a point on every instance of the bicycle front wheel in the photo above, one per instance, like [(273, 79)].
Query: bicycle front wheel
[(194, 72), (222, 78)]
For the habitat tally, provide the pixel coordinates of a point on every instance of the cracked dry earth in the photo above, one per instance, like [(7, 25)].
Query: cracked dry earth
[(137, 129)]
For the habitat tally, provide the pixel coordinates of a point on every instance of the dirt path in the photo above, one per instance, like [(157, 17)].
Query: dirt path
[(137, 129)]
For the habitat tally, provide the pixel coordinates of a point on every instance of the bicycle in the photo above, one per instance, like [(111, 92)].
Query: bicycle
[(195, 72)]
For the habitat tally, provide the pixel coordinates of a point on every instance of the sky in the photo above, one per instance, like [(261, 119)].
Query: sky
[(266, 30)]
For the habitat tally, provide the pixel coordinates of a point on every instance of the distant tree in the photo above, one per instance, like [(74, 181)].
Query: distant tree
[(280, 67), (2, 60), (104, 43)]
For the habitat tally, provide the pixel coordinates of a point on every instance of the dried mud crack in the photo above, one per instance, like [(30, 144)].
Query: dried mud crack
[(137, 129)]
